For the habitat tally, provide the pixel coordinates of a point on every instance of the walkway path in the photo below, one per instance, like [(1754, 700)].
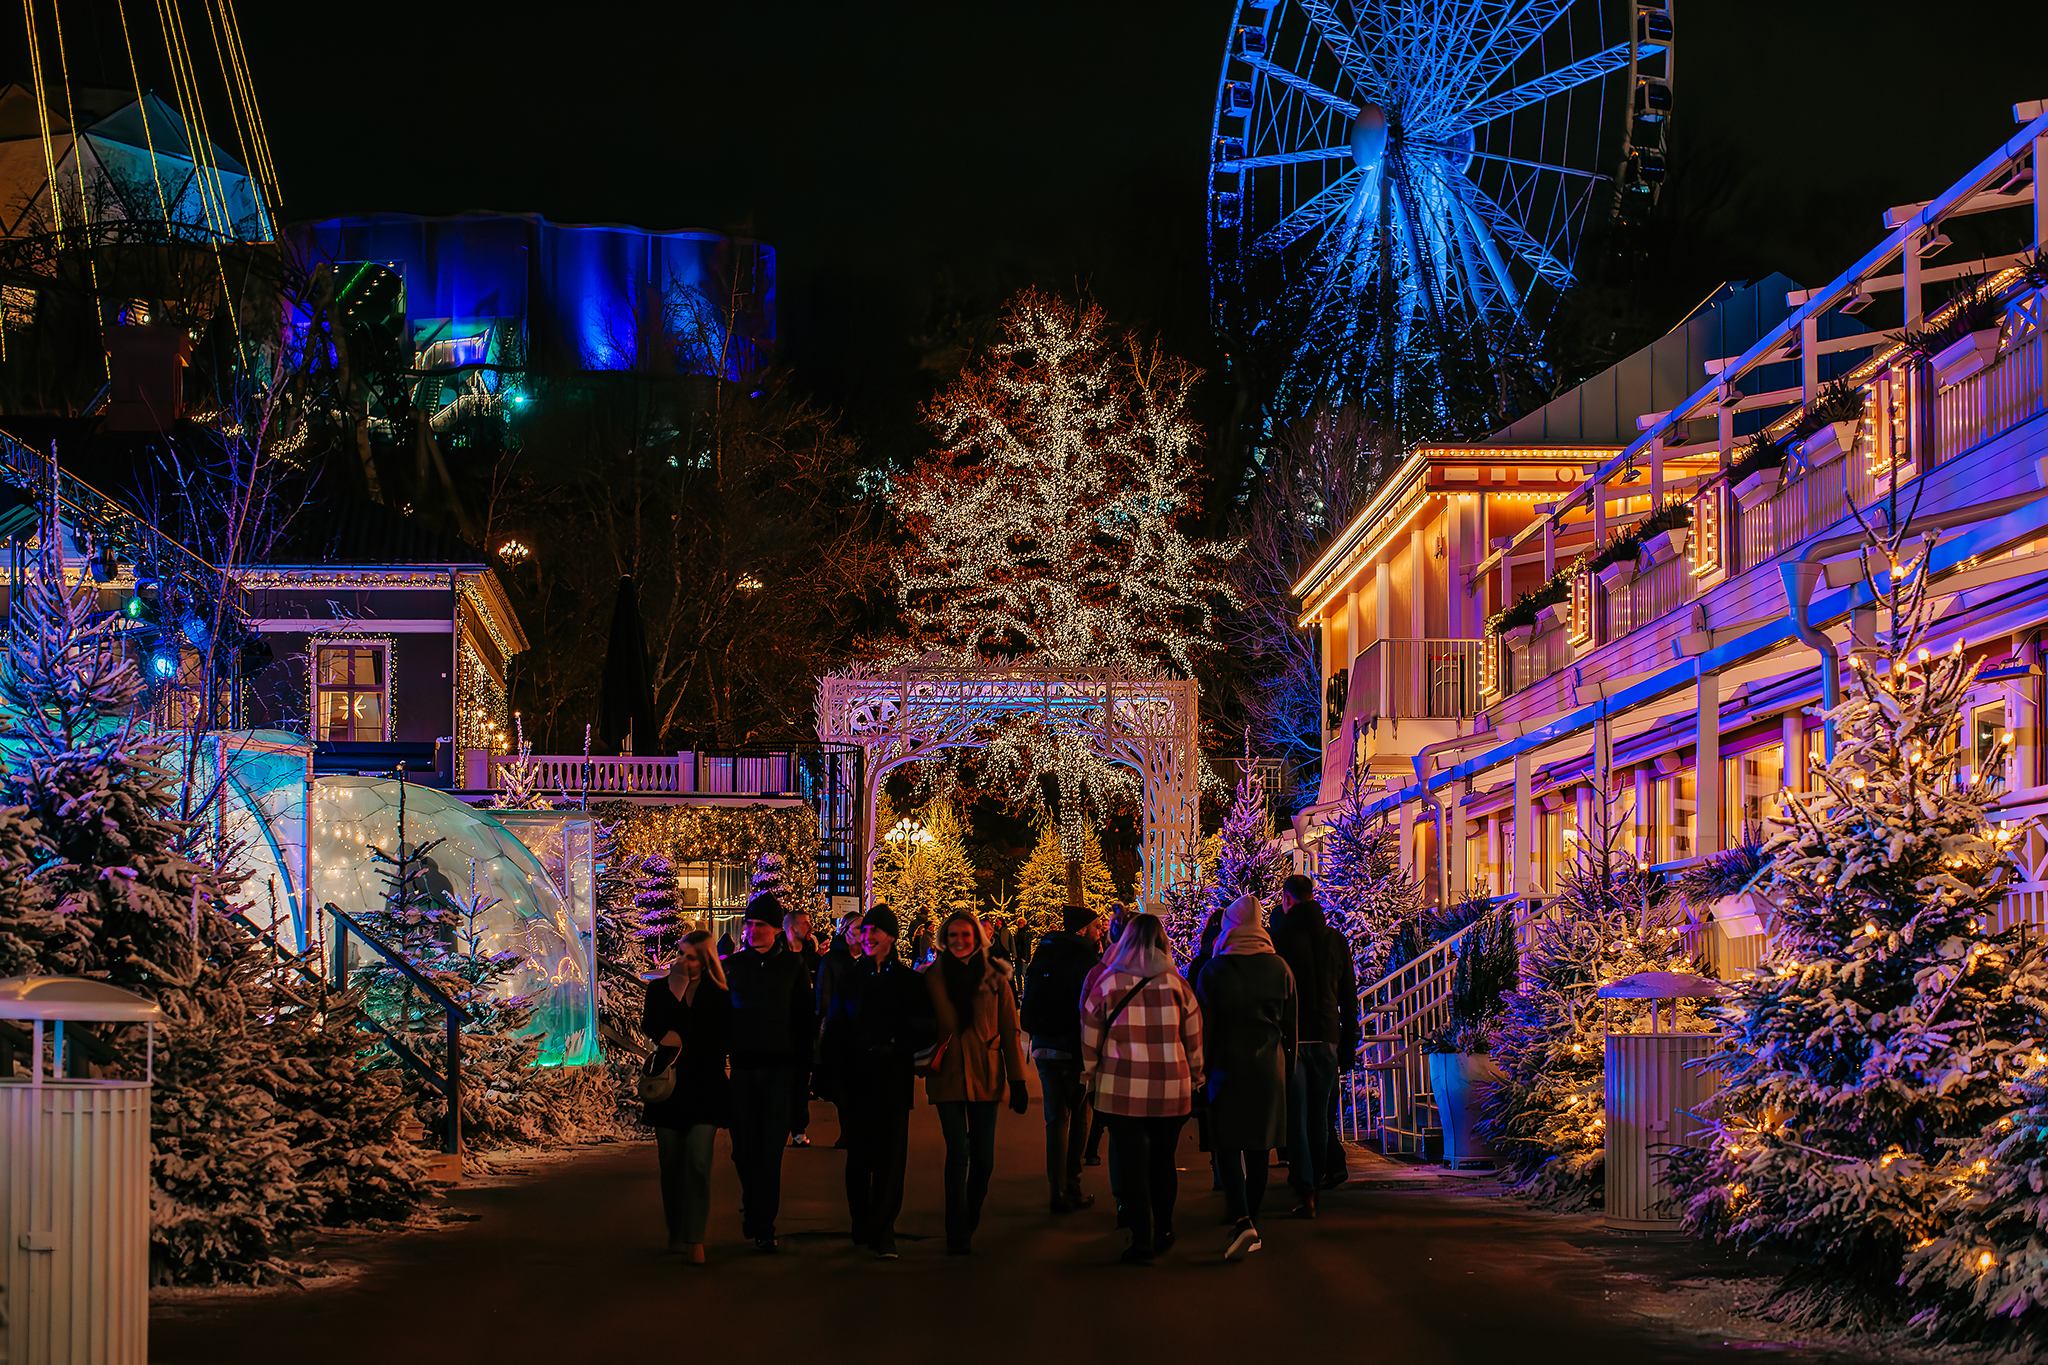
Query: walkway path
[(562, 1268)]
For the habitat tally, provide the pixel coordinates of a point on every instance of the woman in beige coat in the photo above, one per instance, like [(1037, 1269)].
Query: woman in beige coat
[(978, 1060)]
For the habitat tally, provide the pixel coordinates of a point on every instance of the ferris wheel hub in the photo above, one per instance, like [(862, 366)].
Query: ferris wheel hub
[(1369, 136)]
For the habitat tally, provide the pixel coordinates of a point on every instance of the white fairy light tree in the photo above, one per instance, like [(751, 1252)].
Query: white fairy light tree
[(1361, 883), (1893, 1016), (1047, 526)]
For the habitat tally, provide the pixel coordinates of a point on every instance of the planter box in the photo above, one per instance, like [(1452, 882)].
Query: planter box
[(1617, 575), (1964, 357), (1666, 545), (1836, 438), (1455, 1079), (1518, 637), (1556, 614), (1758, 487)]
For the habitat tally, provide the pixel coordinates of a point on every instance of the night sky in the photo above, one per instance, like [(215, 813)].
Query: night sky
[(915, 159)]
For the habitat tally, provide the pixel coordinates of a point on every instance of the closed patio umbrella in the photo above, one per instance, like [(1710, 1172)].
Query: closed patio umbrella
[(625, 701)]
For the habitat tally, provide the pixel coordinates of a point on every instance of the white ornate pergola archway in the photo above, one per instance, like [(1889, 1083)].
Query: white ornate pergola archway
[(918, 710)]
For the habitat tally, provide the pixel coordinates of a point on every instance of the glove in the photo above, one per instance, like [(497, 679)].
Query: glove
[(1020, 1098)]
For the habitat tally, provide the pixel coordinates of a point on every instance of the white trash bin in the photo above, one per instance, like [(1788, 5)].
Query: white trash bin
[(74, 1186), (1650, 1084)]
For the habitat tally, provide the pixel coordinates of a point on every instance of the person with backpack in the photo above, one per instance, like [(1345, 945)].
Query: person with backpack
[(1052, 1016), (1326, 989), (1141, 1050)]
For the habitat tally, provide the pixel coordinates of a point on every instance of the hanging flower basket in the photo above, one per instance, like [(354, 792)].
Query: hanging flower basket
[(1665, 545), (1964, 356), (1758, 487)]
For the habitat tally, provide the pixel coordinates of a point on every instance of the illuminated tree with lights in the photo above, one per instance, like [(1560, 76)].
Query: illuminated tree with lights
[(519, 780), (923, 873), (1548, 1117), (1042, 881), (767, 879), (1047, 526), (1361, 884), (1892, 1017)]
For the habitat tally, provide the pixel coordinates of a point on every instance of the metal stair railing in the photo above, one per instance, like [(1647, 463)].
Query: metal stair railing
[(1397, 1013), (448, 1081)]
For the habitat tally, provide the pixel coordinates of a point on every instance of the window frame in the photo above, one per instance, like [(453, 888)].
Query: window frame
[(386, 645)]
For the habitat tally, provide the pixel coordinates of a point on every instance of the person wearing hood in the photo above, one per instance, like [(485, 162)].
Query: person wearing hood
[(976, 1063), (881, 1016), (1141, 1051), (774, 1015), (1249, 1025), (1052, 1016), (1326, 985)]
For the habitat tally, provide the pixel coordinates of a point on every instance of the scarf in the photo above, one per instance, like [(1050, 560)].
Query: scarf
[(1244, 930), (1139, 960), (963, 978)]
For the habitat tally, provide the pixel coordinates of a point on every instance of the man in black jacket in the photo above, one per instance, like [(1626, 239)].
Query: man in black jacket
[(881, 1015), (1326, 987), (1052, 1016), (772, 1019), (835, 970)]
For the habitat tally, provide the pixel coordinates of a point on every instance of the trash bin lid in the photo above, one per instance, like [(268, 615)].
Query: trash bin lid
[(74, 997), (1662, 986)]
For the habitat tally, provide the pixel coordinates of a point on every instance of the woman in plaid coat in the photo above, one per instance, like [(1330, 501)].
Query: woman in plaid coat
[(1141, 1052)]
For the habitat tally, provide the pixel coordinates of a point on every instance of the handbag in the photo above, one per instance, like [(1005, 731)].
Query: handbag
[(656, 1086), (926, 1061)]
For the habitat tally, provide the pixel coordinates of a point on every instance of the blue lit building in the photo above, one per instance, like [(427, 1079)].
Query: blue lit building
[(513, 291)]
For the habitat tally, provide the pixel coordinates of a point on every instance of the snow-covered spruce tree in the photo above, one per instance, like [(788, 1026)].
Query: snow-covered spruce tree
[(1548, 1117), (521, 777), (766, 879), (426, 919), (1042, 881), (659, 917), (1985, 1272), (1361, 884), (624, 944), (27, 923), (109, 858), (1891, 1017), (1248, 862)]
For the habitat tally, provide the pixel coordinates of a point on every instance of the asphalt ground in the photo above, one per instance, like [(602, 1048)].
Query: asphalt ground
[(565, 1265)]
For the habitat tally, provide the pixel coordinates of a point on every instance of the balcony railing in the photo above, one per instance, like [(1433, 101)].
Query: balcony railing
[(1652, 593), (1420, 679), (1994, 400)]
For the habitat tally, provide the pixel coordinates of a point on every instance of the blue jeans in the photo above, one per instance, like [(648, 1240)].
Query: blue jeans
[(1066, 1123), (760, 1126), (1309, 1095), (970, 1129)]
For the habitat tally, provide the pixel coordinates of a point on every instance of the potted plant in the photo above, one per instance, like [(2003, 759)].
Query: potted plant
[(1963, 342), (1664, 531), (1719, 892), (1757, 470), (1615, 563), (1460, 1055), (1517, 621), (1830, 422)]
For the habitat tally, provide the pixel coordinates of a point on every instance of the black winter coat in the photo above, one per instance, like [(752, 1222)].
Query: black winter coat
[(703, 1093), (1052, 991), (1248, 1025), (774, 1015), (1324, 978), (879, 1021), (834, 970)]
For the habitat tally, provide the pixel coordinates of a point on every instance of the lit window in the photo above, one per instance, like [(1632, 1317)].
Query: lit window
[(350, 695)]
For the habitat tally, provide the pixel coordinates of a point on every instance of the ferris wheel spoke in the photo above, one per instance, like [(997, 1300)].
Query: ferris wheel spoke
[(1307, 154), (1503, 225), (1304, 86), (1510, 28), (1535, 92), (1338, 37), (1317, 210)]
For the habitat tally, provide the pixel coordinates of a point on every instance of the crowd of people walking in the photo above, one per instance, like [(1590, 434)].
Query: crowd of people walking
[(1249, 1041)]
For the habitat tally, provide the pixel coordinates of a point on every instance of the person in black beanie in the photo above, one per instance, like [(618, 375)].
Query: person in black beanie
[(881, 1016), (772, 1021), (1052, 1016)]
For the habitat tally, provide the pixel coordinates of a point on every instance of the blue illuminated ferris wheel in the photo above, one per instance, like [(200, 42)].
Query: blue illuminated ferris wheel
[(1393, 179)]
